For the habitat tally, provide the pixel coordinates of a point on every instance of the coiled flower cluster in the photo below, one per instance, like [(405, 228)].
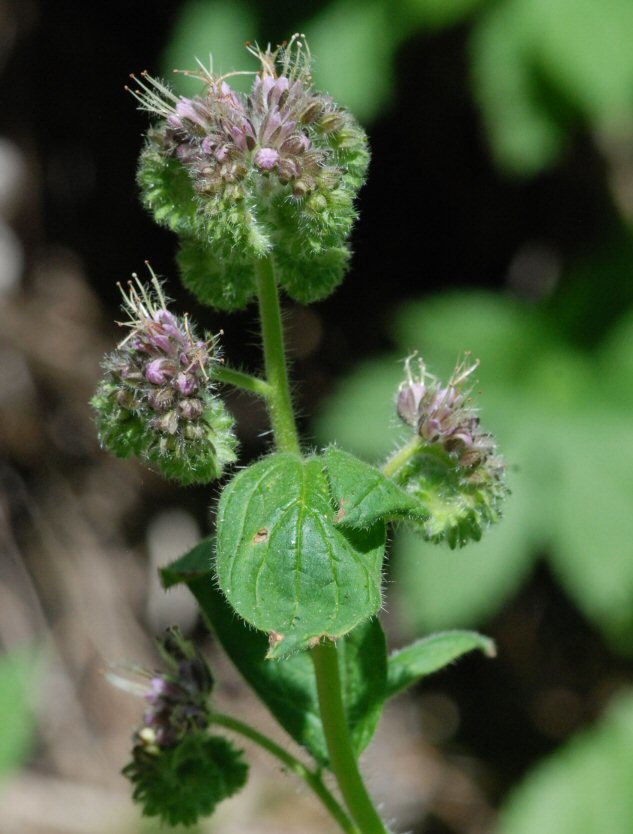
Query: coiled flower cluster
[(157, 399), (178, 770), (456, 470), (177, 698), (240, 176)]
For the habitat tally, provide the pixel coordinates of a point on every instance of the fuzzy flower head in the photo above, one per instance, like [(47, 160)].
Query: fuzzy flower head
[(457, 471), (157, 398), (239, 175), (179, 771)]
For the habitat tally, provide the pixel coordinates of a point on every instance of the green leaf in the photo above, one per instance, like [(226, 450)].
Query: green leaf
[(593, 541), (282, 563), (219, 27), (363, 494), (431, 654), (288, 687), (523, 135), (354, 44), (585, 48), (363, 669), (360, 415), (17, 725), (434, 14), (583, 788)]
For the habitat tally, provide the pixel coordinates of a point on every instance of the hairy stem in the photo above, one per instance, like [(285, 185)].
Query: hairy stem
[(244, 381), (312, 778), (279, 399), (342, 758), (402, 456)]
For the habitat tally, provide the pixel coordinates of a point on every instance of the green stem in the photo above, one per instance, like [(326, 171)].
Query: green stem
[(239, 379), (312, 778), (279, 399), (342, 759), (333, 717), (402, 456)]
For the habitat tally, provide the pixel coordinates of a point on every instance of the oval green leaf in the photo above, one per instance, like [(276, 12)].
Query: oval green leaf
[(282, 563)]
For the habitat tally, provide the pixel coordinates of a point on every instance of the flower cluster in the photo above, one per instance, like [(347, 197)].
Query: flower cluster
[(177, 699), (178, 770), (157, 399), (238, 176), (456, 470)]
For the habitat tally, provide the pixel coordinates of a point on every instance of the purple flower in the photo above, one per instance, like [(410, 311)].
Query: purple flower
[(159, 371), (266, 158), (186, 383), (221, 136), (444, 416), (161, 364)]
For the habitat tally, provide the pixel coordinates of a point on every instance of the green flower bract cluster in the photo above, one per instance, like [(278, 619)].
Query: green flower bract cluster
[(183, 783)]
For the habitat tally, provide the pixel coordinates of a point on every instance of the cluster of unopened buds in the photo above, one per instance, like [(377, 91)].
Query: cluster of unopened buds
[(240, 176), (177, 699), (157, 399), (470, 484), (444, 414)]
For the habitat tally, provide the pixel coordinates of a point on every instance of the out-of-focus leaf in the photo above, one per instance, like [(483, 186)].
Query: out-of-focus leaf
[(17, 679), (479, 322), (524, 137), (354, 42), (583, 788), (411, 664), (585, 47), (592, 550), (370, 429), (219, 27), (434, 14), (616, 361), (535, 62)]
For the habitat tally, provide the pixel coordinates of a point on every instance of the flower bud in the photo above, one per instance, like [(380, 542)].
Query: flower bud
[(145, 404), (455, 470), (178, 770), (233, 175)]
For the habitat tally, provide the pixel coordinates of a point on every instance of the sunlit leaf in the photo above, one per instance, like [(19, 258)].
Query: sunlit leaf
[(417, 661)]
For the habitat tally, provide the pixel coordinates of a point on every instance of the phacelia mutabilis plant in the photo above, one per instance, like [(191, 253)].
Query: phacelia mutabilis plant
[(260, 190)]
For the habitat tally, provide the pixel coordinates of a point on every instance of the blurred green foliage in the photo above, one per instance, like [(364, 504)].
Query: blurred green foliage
[(17, 725), (539, 68), (583, 788), (562, 417)]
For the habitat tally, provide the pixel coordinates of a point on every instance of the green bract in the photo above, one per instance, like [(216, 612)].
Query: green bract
[(282, 562), (240, 178), (183, 783)]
